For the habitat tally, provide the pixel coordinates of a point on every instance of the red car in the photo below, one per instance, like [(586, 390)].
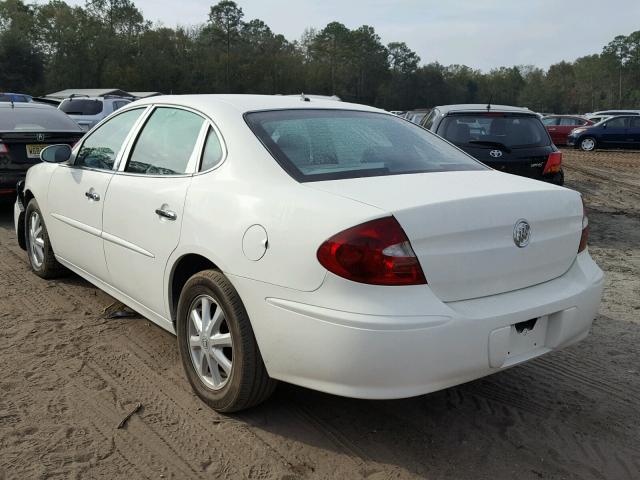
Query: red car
[(560, 126)]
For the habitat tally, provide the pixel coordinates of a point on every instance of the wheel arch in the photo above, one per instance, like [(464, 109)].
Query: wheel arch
[(21, 231), (184, 268)]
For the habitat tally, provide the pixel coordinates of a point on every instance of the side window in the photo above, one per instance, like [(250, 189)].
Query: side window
[(101, 148), (620, 122), (166, 142), (428, 121), (212, 153), (635, 122), (569, 122), (547, 122)]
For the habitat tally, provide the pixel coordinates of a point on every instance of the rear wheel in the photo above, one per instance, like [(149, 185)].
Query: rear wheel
[(217, 347), (588, 144), (41, 257)]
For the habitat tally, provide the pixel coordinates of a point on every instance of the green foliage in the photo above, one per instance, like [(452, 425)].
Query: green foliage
[(108, 43)]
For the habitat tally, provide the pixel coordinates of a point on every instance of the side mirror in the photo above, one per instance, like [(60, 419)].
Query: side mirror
[(56, 153)]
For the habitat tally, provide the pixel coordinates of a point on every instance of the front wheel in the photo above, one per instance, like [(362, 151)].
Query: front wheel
[(217, 347), (588, 144), (41, 257)]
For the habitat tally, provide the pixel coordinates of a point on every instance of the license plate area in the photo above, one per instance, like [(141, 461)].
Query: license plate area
[(33, 150), (527, 336)]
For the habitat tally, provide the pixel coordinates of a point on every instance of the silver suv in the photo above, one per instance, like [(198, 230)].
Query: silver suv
[(88, 111)]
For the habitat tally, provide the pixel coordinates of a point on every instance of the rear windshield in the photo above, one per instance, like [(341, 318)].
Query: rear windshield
[(494, 130), (29, 119), (76, 106), (313, 145)]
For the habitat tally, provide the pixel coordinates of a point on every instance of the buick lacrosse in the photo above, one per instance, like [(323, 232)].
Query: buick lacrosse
[(330, 245)]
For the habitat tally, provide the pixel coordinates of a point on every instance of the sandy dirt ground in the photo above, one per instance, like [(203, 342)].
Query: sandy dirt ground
[(69, 376)]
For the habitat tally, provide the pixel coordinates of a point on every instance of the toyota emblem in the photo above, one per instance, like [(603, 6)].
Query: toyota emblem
[(40, 137), (495, 153), (521, 233)]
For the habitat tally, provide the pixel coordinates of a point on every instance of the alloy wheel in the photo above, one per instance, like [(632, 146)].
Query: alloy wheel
[(36, 240), (210, 342)]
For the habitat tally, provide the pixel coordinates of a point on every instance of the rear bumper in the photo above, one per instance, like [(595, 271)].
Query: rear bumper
[(348, 348)]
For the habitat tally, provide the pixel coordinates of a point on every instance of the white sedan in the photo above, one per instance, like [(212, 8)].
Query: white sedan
[(329, 245)]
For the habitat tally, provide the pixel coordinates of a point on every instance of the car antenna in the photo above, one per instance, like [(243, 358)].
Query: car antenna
[(303, 98), (489, 104)]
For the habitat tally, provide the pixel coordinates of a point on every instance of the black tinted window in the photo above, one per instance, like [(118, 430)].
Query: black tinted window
[(332, 144), (490, 129), (212, 153), (79, 106), (101, 148), (617, 122), (30, 119), (166, 142)]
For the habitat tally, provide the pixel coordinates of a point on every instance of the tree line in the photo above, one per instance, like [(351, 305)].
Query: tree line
[(108, 43)]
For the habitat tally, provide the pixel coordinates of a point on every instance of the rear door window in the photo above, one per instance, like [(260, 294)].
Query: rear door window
[(494, 129), (570, 122), (166, 142), (547, 122), (212, 152)]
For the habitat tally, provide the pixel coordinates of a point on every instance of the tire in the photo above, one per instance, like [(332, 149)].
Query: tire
[(39, 251), (230, 344), (588, 144)]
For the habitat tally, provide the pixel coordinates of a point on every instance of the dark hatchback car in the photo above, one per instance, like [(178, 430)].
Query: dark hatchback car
[(25, 129), (615, 132), (509, 139)]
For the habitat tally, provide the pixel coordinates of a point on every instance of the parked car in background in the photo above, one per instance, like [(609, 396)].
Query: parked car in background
[(615, 132), (613, 113), (560, 126), (421, 267), (14, 97), (416, 116), (596, 118), (509, 139), (88, 111), (25, 129)]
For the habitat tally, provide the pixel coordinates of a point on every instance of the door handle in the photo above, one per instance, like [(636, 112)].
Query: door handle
[(168, 214), (91, 195)]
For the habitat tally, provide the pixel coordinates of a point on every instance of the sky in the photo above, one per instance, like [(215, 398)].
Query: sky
[(482, 34)]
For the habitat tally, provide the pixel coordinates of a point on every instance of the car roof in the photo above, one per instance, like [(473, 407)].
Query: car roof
[(560, 115), (481, 107), (250, 103)]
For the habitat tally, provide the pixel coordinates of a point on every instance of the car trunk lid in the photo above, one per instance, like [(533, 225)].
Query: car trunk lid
[(461, 227)]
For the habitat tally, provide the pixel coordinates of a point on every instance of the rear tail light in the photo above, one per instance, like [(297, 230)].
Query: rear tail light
[(554, 163), (3, 148), (585, 229), (377, 252)]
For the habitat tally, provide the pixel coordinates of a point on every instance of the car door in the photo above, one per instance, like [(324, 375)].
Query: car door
[(77, 193), (145, 200), (633, 132), (614, 133), (564, 128), (551, 124)]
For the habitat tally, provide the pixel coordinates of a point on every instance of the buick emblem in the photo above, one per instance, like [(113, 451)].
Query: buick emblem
[(40, 137), (521, 233), (495, 153)]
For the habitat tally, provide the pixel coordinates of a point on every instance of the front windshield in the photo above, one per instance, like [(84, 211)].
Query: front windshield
[(314, 145)]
